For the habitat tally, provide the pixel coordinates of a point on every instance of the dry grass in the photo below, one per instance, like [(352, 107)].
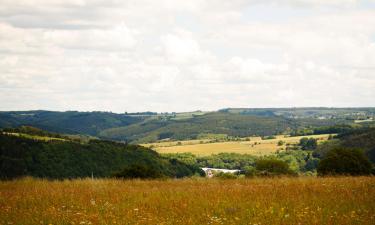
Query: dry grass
[(263, 147), (344, 200)]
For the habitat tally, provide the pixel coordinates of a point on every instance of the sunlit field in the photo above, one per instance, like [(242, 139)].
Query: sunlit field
[(345, 200), (254, 146)]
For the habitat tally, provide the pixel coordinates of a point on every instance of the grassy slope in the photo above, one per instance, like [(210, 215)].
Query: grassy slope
[(263, 147), (344, 200)]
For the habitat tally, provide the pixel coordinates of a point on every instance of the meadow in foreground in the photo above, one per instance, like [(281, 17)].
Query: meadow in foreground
[(343, 200)]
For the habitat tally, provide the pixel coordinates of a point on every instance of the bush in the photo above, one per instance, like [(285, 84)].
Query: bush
[(249, 171), (268, 137), (344, 161), (272, 167)]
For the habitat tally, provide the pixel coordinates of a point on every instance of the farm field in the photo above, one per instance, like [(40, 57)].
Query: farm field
[(254, 146), (304, 200)]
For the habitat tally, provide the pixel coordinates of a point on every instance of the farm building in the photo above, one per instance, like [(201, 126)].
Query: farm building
[(211, 171)]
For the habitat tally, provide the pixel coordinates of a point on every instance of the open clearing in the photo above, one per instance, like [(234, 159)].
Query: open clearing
[(255, 146), (344, 200)]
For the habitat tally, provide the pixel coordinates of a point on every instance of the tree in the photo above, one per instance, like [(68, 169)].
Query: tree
[(308, 143), (344, 161), (272, 167), (280, 143)]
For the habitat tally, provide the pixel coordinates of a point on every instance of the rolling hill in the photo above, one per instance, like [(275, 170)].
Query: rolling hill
[(150, 127), (28, 155)]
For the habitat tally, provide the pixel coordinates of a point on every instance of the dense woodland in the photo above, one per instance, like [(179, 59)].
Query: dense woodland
[(20, 156)]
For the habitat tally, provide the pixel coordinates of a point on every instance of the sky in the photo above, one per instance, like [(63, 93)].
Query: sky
[(178, 55)]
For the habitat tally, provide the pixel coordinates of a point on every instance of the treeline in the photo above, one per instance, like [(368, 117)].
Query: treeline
[(21, 156), (32, 131), (298, 161)]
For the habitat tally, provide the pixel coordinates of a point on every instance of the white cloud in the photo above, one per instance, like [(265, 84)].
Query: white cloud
[(185, 55), (116, 38), (180, 48)]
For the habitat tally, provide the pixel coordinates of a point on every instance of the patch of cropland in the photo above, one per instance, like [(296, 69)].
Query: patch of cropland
[(253, 145), (342, 200), (59, 158)]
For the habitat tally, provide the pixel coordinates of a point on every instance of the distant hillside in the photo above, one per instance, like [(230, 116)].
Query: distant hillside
[(70, 122), (210, 123), (151, 127), (309, 112), (51, 158)]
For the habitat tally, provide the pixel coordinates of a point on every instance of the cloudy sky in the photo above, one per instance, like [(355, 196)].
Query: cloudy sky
[(179, 55)]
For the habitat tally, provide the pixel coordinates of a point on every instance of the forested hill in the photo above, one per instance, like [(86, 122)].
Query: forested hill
[(150, 127), (235, 125), (50, 157), (70, 122)]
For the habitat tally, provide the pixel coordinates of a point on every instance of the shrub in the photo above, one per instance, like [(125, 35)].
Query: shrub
[(268, 137), (249, 171), (344, 161), (271, 167)]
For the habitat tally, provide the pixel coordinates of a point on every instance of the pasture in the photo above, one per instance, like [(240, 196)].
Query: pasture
[(253, 146), (304, 200)]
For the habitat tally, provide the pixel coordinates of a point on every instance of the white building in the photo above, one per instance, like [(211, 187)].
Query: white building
[(210, 171)]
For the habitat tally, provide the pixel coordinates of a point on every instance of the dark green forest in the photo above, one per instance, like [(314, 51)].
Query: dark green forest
[(21, 156)]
